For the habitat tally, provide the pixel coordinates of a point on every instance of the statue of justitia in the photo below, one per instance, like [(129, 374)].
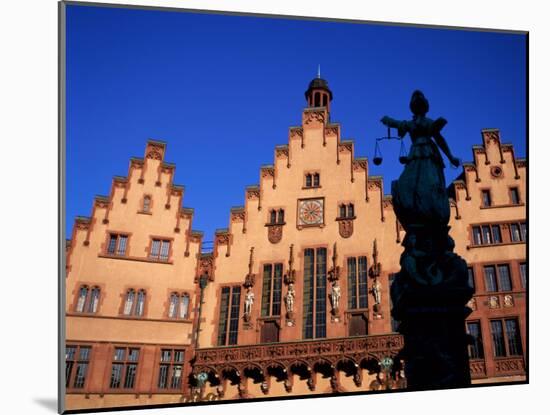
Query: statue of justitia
[(430, 292)]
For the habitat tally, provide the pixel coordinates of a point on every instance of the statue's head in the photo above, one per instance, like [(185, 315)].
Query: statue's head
[(419, 105)]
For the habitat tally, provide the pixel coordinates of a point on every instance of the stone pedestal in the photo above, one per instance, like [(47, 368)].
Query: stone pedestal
[(432, 322)]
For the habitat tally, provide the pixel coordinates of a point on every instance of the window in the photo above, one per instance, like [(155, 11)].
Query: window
[(179, 306), (346, 211), (316, 180), (506, 337), (160, 249), (146, 207), (500, 282), (471, 278), (76, 365), (124, 368), (88, 300), (518, 232), (171, 369), (357, 283), (485, 198), (475, 350), (117, 244), (315, 293), (272, 289), (134, 305), (477, 235), (281, 218), (277, 216), (523, 274), (514, 196), (228, 325), (312, 180), (486, 234)]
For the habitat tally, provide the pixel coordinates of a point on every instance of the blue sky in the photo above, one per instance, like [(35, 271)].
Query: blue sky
[(223, 90)]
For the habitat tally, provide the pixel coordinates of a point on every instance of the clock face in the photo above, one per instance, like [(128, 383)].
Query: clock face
[(310, 212)]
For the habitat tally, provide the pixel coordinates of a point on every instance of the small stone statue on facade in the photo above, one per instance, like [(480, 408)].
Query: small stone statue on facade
[(289, 299), (335, 295), (377, 291), (248, 303)]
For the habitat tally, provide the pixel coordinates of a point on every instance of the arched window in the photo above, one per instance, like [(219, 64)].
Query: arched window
[(146, 203), (94, 300), (308, 180), (317, 99), (351, 210), (273, 218), (82, 295), (174, 300), (140, 305), (179, 306), (129, 302), (281, 216), (184, 306)]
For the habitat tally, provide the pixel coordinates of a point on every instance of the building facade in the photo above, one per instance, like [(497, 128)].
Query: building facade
[(293, 299)]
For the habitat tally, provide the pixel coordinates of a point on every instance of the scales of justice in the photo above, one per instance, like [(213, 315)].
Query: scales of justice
[(430, 292)]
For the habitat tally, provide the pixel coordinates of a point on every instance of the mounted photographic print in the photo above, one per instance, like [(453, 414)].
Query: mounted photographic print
[(262, 207)]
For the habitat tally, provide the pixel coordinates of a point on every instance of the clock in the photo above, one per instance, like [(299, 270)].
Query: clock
[(311, 212)]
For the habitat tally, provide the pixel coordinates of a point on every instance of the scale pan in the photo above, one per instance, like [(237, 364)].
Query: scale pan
[(377, 161)]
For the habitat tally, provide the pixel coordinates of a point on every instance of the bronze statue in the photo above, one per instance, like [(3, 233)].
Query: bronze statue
[(420, 193), (430, 292)]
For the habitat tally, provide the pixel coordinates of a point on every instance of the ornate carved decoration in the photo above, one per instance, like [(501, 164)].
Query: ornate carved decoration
[(472, 304), (154, 151), (195, 237), (375, 184), (250, 278), (206, 266), (222, 238), (508, 300), (314, 116), (345, 146), (82, 223), (253, 193), (494, 302), (477, 369), (510, 366), (274, 233), (332, 130), (496, 171), (281, 151), (237, 216), (290, 276), (268, 172), (296, 132), (387, 202), (359, 165), (374, 270), (493, 135), (334, 272), (285, 354)]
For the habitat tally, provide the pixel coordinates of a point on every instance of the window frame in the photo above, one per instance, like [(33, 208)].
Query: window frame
[(318, 296), (170, 365), (230, 322), (87, 303), (134, 307), (496, 266), (268, 298), (180, 296), (71, 374), (355, 294), (118, 237), (505, 337), (158, 257), (124, 363), (478, 345), (486, 192)]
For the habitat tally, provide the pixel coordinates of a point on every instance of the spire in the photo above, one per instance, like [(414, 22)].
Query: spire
[(319, 71)]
